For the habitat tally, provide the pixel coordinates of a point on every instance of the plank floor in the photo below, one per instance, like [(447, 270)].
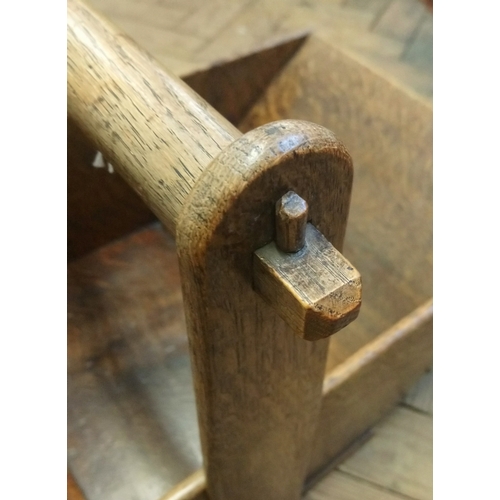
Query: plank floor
[(187, 35), (395, 36), (395, 463)]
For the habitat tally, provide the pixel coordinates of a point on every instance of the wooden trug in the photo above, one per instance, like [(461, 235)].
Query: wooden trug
[(369, 364)]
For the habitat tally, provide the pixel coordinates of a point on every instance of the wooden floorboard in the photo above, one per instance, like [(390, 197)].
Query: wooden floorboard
[(395, 463), (420, 396), (341, 486), (399, 456), (212, 17), (375, 6), (257, 25), (159, 15), (395, 35), (401, 19), (418, 52)]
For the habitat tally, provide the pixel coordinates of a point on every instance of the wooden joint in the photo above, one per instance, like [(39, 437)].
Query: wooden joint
[(291, 220), (258, 385), (316, 290)]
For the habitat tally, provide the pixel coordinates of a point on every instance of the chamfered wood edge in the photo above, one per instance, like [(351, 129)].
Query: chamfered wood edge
[(395, 359), (317, 291), (192, 488)]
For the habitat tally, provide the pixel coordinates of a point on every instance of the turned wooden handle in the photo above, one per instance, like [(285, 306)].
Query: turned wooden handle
[(154, 129)]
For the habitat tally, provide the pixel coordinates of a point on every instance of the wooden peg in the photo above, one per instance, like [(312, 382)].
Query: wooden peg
[(291, 220), (316, 291), (258, 385)]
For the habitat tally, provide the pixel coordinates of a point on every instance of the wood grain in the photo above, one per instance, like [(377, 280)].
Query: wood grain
[(399, 455), (389, 133), (395, 461), (291, 221), (156, 131), (358, 392), (111, 100), (341, 486), (126, 316), (258, 386), (192, 132), (132, 430), (250, 26), (233, 86), (102, 207), (407, 269), (125, 303), (257, 25), (316, 290)]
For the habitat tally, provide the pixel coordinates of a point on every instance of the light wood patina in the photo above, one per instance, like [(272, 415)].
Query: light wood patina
[(273, 376), (154, 129), (258, 385)]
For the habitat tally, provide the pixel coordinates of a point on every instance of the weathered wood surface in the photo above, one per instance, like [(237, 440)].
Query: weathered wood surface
[(161, 136), (359, 391), (398, 456), (389, 133), (258, 384), (394, 463), (86, 325), (102, 206), (341, 486), (206, 61), (125, 304), (291, 221), (233, 86), (322, 294), (132, 430), (155, 130), (188, 36), (413, 111), (128, 352)]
